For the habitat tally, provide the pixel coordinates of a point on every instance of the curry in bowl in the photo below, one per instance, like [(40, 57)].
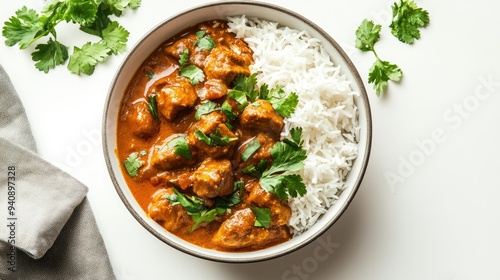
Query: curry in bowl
[(220, 152)]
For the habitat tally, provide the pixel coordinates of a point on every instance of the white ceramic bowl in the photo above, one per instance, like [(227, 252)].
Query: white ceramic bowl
[(220, 10)]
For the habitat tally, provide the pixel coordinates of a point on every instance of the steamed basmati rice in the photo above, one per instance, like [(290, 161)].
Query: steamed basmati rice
[(326, 109)]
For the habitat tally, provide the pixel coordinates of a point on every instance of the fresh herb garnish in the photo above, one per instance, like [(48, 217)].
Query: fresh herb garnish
[(198, 211), (245, 87), (204, 42), (205, 108), (287, 158), (192, 72), (240, 97), (283, 104), (150, 74), (367, 34), (133, 163), (181, 147), (250, 149), (256, 171), (214, 139), (153, 108), (407, 18), (239, 186), (262, 216), (184, 58), (92, 16), (228, 111)]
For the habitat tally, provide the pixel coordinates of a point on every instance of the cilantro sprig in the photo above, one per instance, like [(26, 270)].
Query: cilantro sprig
[(199, 212), (153, 107), (181, 147), (367, 34), (250, 149), (190, 71), (133, 163), (28, 26), (407, 18), (204, 42), (205, 108), (288, 157), (245, 89), (262, 216), (214, 139)]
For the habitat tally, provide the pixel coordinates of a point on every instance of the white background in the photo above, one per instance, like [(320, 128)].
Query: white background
[(428, 207)]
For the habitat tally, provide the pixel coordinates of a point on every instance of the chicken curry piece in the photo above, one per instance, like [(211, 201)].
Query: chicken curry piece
[(189, 153)]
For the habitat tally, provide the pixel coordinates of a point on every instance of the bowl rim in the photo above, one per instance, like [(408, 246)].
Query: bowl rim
[(357, 181)]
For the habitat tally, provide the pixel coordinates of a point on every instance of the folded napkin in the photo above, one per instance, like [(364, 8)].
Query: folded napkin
[(47, 228)]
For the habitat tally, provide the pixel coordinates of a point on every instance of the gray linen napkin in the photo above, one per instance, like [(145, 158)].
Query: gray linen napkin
[(47, 228)]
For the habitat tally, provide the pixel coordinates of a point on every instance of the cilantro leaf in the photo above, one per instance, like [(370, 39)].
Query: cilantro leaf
[(101, 21), (381, 72), (203, 217), (283, 105), (85, 59), (193, 73), (286, 158), (117, 7), (184, 58), (181, 147), (407, 18), (252, 171), (23, 29), (250, 149), (82, 12), (256, 171), (49, 55), (205, 108), (240, 97), (192, 204), (214, 139), (294, 184), (198, 211), (153, 108), (150, 74), (228, 201), (134, 4), (115, 37), (132, 164), (228, 111), (296, 134), (247, 85), (204, 42), (367, 34), (262, 217)]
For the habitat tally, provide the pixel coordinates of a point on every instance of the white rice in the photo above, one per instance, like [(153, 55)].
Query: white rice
[(326, 109)]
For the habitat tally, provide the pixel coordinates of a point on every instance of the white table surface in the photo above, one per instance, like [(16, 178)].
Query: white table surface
[(435, 134)]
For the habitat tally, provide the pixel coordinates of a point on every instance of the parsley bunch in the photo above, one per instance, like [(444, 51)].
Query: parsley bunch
[(407, 18), (27, 27)]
